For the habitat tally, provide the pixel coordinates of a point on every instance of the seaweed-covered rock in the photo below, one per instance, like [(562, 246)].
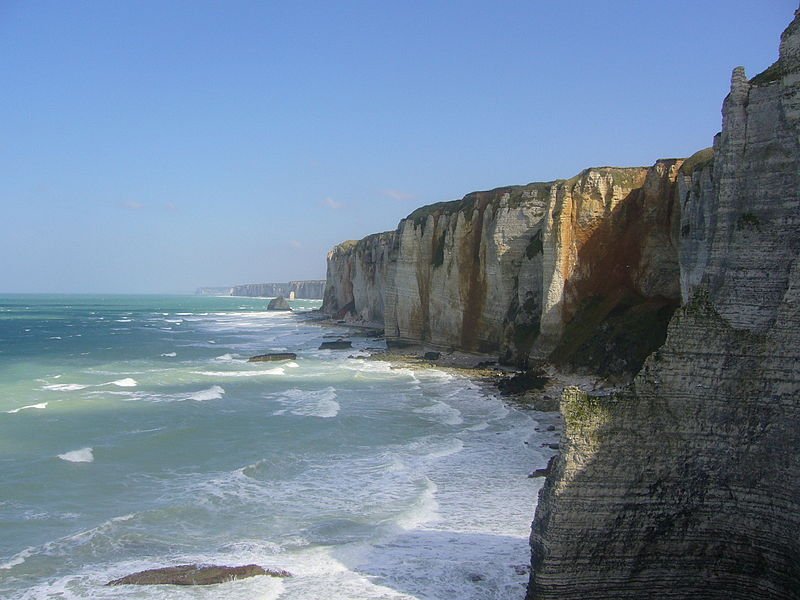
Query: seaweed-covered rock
[(272, 357), (336, 345), (196, 575)]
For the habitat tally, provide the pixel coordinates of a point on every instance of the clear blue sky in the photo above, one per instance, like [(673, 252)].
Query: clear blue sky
[(161, 146)]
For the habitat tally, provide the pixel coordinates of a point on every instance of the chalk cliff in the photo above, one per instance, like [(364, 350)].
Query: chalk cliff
[(509, 271), (358, 278), (310, 289), (687, 484)]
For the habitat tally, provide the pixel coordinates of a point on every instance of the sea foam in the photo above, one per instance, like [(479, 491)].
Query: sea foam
[(40, 406), (126, 382), (84, 455), (215, 392), (65, 387), (275, 371)]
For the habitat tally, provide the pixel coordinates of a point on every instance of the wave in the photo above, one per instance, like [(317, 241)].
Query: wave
[(65, 387), (442, 412), (316, 403), (170, 354), (84, 455), (126, 382), (215, 392), (18, 558), (40, 406), (275, 371)]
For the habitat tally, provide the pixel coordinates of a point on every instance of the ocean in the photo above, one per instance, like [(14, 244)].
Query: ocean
[(134, 434)]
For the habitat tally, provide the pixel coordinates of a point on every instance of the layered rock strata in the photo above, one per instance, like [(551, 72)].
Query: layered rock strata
[(687, 484), (509, 271), (310, 289)]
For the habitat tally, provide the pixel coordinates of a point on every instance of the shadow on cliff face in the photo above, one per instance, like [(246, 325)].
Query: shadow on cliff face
[(445, 564), (685, 484), (611, 323)]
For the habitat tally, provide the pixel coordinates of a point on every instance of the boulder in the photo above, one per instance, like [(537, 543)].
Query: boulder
[(278, 303), (336, 345), (272, 357), (195, 575), (431, 355)]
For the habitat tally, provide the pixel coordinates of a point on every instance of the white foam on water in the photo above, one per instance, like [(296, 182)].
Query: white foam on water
[(229, 358), (18, 558), (291, 365), (65, 387), (126, 382), (40, 406), (275, 371), (84, 455), (55, 337), (424, 510), (169, 354), (314, 403), (123, 320), (442, 412), (215, 392)]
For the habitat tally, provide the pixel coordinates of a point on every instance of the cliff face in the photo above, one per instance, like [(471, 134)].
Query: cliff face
[(510, 270), (311, 289), (687, 484), (357, 278), (468, 271)]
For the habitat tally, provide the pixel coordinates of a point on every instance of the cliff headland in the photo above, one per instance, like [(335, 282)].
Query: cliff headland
[(683, 276)]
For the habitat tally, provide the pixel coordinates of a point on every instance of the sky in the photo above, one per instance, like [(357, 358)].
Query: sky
[(159, 146)]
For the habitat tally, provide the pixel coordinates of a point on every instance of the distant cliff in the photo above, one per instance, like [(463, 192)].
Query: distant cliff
[(309, 289), (213, 291), (687, 484), (508, 271)]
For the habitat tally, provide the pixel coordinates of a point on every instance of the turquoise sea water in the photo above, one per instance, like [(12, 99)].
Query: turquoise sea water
[(134, 434)]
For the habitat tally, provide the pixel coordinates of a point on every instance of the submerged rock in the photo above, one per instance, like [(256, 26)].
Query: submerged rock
[(336, 345), (278, 303), (272, 357), (196, 575)]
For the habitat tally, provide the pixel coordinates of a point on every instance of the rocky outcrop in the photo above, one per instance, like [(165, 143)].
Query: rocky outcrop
[(687, 484), (195, 575), (273, 357), (311, 289), (508, 271), (279, 303)]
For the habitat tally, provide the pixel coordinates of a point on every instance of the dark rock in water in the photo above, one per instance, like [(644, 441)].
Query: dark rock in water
[(543, 472), (431, 355), (278, 303), (523, 382), (555, 446), (273, 357), (337, 345), (551, 428), (196, 575), (475, 577)]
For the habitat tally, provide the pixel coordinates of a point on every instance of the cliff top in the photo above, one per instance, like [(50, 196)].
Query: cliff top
[(516, 195)]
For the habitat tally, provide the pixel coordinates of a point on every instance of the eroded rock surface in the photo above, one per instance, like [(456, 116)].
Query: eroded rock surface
[(509, 271), (687, 485)]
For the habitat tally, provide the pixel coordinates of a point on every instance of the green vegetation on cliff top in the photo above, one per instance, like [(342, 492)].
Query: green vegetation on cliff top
[(517, 194), (699, 160)]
